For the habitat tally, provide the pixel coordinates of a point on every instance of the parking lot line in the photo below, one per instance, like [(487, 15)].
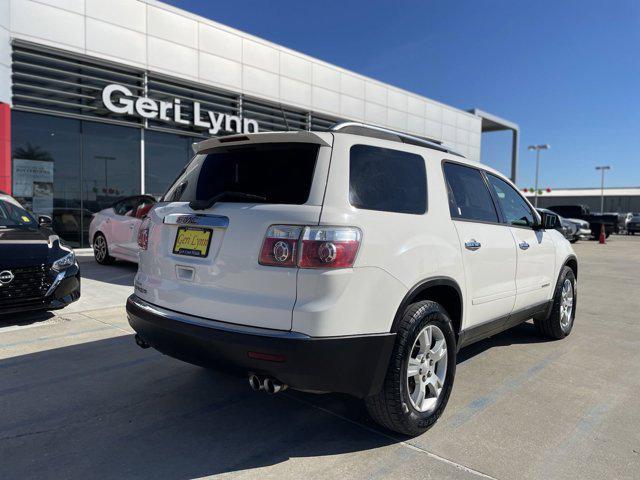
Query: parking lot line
[(582, 430), (479, 404), (457, 465)]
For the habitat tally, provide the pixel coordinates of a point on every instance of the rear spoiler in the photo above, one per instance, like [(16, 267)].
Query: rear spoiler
[(301, 136)]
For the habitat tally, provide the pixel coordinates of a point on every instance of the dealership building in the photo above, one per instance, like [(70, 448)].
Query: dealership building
[(614, 199), (103, 99)]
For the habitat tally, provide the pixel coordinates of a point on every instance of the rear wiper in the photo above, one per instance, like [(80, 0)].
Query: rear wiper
[(227, 195)]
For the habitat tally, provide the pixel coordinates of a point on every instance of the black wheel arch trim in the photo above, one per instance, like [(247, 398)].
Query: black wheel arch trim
[(420, 287), (571, 257)]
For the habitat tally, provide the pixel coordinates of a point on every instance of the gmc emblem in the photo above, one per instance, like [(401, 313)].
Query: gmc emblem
[(187, 220)]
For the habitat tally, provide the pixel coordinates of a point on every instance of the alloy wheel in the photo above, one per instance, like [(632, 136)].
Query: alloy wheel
[(427, 368), (566, 305), (100, 248)]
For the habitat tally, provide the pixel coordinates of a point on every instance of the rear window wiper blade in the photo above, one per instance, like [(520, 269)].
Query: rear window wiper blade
[(227, 195)]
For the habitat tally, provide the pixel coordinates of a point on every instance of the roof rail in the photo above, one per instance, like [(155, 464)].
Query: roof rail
[(367, 130)]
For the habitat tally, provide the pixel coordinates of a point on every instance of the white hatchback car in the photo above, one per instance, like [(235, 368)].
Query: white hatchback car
[(114, 231), (358, 261)]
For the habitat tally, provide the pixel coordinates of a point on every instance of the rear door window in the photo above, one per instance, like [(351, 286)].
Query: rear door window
[(387, 180), (469, 197), (277, 172)]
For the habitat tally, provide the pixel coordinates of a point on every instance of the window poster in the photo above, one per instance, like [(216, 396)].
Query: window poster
[(33, 184)]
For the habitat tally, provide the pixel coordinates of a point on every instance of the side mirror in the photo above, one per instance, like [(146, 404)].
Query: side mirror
[(44, 221), (549, 221)]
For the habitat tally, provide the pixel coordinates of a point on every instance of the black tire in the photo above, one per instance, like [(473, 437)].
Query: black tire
[(551, 326), (102, 257), (391, 407)]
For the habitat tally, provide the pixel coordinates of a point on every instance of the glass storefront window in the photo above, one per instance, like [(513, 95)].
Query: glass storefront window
[(46, 154), (165, 154), (110, 166), (70, 169)]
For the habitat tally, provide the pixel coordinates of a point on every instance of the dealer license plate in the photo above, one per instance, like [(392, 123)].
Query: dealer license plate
[(192, 241)]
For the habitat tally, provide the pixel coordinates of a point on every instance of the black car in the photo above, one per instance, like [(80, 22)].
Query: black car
[(633, 225), (596, 220), (36, 271)]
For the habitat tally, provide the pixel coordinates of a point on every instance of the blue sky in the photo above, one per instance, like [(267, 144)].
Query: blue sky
[(568, 72)]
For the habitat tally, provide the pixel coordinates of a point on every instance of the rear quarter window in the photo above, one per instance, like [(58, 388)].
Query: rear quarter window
[(387, 180)]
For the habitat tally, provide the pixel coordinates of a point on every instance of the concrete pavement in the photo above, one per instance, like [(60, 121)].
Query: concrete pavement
[(79, 399)]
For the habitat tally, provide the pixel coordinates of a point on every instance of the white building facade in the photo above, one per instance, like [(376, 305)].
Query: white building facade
[(102, 99)]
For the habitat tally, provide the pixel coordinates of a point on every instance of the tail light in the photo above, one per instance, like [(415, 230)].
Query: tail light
[(143, 234), (333, 247), (280, 246), (310, 247)]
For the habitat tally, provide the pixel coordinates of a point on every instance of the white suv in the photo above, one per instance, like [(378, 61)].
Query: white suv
[(358, 261)]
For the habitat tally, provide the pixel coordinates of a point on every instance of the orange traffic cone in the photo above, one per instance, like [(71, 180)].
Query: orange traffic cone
[(602, 235)]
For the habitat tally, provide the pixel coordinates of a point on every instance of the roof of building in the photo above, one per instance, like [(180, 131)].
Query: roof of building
[(590, 192), (494, 123)]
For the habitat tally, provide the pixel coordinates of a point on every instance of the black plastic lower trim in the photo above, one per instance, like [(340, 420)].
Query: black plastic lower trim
[(355, 365), (493, 327)]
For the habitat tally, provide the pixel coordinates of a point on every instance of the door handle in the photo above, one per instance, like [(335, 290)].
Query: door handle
[(523, 245), (472, 245)]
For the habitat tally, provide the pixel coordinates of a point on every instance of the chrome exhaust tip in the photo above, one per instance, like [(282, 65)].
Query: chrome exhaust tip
[(255, 383), (272, 386)]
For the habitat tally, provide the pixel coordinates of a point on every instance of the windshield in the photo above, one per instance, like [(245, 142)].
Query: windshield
[(12, 215), (255, 173)]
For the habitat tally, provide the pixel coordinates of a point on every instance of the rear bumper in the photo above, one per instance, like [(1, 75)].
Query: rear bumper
[(355, 365)]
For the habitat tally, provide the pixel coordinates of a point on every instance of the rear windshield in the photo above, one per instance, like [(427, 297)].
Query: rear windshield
[(277, 172)]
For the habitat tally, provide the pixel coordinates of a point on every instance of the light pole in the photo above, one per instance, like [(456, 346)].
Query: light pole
[(537, 148), (602, 169)]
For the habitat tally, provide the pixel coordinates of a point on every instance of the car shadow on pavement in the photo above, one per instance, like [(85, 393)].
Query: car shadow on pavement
[(25, 318), (110, 409), (524, 333), (119, 273)]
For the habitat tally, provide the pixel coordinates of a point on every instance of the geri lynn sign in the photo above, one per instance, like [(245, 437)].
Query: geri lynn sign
[(126, 103)]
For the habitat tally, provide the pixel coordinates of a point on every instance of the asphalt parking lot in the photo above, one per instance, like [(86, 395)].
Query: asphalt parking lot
[(78, 399)]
